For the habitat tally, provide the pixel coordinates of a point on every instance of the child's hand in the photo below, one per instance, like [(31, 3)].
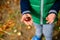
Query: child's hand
[(50, 18), (27, 19)]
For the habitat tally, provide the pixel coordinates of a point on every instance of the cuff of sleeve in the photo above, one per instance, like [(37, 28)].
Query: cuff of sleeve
[(25, 12), (53, 11)]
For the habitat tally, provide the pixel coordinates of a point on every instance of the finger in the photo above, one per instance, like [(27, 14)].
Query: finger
[(51, 22), (23, 19), (26, 23), (30, 23), (46, 18), (47, 22)]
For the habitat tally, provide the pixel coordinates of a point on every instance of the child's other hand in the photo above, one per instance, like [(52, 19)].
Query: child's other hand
[(50, 18)]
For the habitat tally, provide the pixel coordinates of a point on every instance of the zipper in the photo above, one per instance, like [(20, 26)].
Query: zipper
[(41, 14)]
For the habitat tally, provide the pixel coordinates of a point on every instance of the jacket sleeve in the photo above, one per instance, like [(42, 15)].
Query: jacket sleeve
[(55, 8), (24, 6)]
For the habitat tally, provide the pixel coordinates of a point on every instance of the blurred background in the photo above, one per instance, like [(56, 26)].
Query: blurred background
[(11, 28)]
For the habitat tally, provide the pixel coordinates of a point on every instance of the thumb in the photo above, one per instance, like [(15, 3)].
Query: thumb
[(46, 18), (47, 22)]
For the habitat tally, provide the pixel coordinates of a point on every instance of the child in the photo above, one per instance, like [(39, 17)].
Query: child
[(42, 14)]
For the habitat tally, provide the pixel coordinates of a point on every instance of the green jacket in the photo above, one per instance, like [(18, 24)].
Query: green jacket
[(39, 10)]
